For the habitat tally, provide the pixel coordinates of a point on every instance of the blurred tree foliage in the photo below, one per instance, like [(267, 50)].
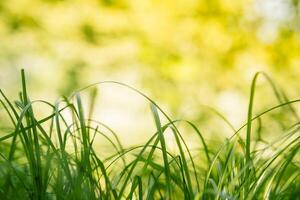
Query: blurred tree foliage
[(182, 52)]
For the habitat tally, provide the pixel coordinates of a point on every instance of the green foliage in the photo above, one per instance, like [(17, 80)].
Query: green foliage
[(55, 157), (172, 45)]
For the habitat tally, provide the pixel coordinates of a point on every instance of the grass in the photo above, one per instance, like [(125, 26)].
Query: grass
[(55, 157)]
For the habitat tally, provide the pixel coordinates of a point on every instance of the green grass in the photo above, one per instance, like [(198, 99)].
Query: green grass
[(55, 158)]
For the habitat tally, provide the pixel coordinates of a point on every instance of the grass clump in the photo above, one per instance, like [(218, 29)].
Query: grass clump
[(55, 158)]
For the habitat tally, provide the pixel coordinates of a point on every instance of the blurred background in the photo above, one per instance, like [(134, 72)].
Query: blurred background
[(183, 54)]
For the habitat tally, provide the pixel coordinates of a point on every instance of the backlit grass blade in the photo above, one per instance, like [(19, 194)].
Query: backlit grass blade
[(164, 150)]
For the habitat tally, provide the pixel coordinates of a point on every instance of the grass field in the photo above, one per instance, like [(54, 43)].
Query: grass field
[(55, 157)]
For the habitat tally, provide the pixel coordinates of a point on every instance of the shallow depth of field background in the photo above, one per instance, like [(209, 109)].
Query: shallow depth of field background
[(183, 54)]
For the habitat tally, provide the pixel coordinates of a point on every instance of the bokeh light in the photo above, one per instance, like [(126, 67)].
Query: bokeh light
[(183, 54)]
